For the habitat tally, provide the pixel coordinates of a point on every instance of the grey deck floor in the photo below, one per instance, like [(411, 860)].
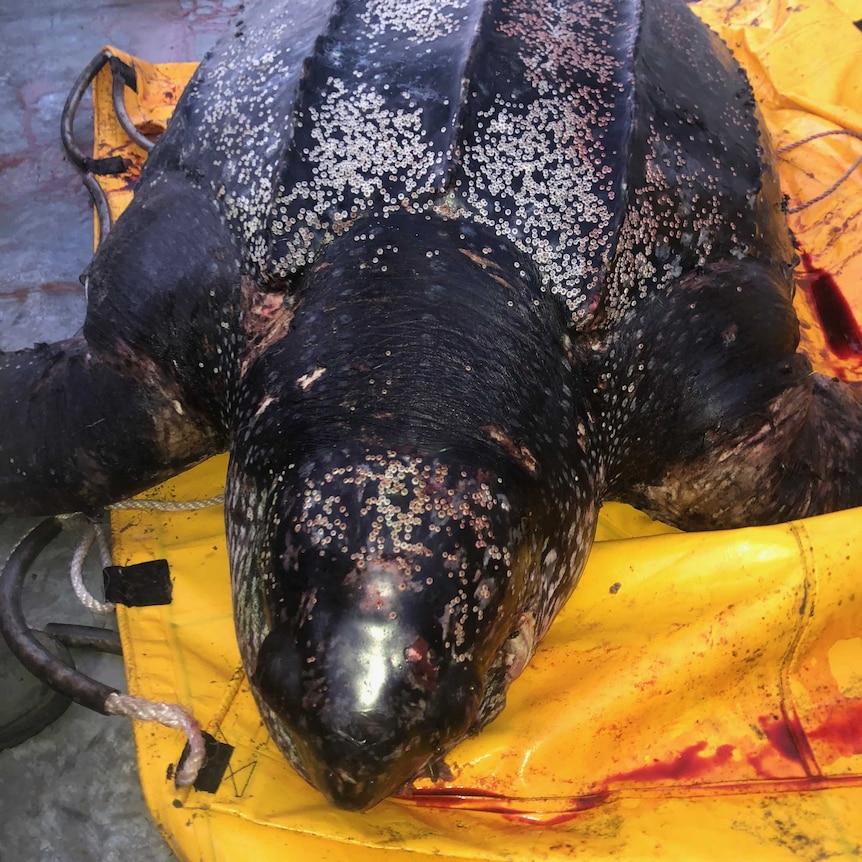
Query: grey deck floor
[(70, 794)]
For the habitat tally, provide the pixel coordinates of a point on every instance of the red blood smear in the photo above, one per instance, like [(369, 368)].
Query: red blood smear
[(456, 797), (836, 317), (495, 803), (11, 161), (688, 764), (780, 736), (579, 804), (786, 736), (420, 793), (843, 733)]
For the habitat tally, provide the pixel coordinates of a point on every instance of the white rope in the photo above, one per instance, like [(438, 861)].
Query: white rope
[(169, 505), (94, 532), (85, 597), (170, 715), (104, 546)]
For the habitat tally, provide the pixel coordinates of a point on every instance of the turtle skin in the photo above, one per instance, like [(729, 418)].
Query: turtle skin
[(442, 278)]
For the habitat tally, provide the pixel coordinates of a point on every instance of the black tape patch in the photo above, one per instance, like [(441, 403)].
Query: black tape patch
[(216, 760), (106, 167), (139, 586)]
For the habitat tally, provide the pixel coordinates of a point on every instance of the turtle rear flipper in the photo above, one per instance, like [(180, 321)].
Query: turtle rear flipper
[(748, 434), (802, 457), (80, 431)]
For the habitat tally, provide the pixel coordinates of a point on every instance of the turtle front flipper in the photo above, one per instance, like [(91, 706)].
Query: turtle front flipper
[(141, 393), (748, 434), (81, 430)]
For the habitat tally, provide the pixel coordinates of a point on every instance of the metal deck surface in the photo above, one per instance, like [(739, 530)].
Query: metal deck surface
[(70, 794)]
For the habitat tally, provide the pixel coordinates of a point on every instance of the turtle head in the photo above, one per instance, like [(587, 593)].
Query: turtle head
[(391, 595), (407, 457)]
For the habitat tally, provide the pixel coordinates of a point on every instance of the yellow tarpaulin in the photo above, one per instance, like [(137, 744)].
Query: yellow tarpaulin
[(701, 694)]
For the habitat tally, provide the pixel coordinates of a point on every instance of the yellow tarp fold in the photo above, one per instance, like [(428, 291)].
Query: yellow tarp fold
[(692, 677), (699, 697)]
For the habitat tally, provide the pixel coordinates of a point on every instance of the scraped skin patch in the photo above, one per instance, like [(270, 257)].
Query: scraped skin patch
[(265, 318)]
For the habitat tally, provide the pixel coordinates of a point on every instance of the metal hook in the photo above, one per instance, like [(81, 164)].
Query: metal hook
[(123, 76), (27, 649)]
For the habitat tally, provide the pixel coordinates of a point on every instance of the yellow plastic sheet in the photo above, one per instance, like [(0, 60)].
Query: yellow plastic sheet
[(699, 697), (805, 63)]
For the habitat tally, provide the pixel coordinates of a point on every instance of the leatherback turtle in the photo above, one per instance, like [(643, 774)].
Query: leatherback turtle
[(442, 276)]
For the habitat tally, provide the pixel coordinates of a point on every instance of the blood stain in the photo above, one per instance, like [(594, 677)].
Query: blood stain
[(689, 763), (842, 332)]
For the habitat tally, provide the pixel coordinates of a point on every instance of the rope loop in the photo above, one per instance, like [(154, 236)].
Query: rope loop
[(846, 175), (92, 533), (170, 715)]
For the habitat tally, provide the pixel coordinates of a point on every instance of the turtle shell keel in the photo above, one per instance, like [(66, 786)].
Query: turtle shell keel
[(441, 277)]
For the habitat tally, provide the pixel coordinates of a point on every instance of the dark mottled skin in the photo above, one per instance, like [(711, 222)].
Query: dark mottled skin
[(442, 279)]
